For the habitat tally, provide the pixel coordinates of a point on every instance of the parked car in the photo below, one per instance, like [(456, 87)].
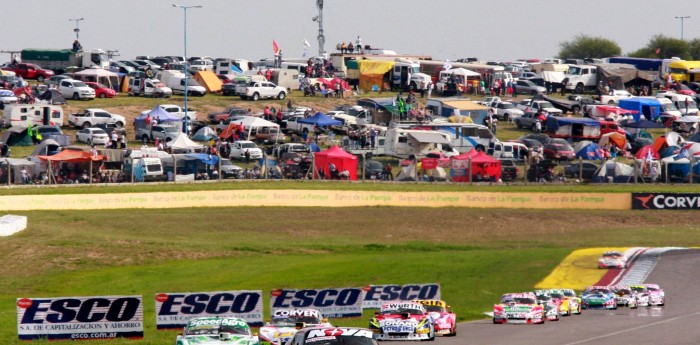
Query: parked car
[(75, 89), (509, 170), (222, 116), (48, 131), (92, 136), (558, 151), (230, 170), (101, 91), (527, 87), (7, 97), (239, 148), (505, 110), (681, 89), (56, 79), (587, 170), (270, 134)]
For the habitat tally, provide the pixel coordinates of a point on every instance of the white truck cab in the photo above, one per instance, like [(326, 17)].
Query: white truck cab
[(581, 78)]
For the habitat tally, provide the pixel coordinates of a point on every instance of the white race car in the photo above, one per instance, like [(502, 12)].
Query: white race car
[(642, 294), (217, 331), (656, 294), (624, 296), (286, 322)]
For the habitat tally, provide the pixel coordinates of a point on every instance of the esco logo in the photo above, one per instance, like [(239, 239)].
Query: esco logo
[(65, 310)]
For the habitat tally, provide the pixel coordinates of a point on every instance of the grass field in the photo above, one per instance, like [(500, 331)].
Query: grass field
[(475, 255)]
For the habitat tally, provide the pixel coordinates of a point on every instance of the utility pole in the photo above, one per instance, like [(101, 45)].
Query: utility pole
[(112, 53), (682, 18), (321, 37), (77, 27)]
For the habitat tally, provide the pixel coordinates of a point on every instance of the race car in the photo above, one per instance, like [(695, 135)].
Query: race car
[(598, 297), (444, 319), (656, 294), (285, 323), (216, 331), (624, 297), (334, 336), (612, 259), (551, 306), (564, 307), (402, 321), (642, 294), (574, 300), (518, 308)]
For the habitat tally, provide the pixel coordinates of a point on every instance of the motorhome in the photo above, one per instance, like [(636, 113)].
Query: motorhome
[(407, 143), (175, 80), (24, 115), (148, 88), (462, 136), (448, 107)]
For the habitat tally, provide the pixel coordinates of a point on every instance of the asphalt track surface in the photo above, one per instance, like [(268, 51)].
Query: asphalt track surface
[(677, 323)]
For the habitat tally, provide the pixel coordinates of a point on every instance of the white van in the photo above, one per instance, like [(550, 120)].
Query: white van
[(148, 169), (686, 104), (668, 107)]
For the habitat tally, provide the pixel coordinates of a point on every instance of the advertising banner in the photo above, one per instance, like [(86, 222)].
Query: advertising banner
[(666, 201), (377, 295), (80, 318), (331, 302), (174, 310)]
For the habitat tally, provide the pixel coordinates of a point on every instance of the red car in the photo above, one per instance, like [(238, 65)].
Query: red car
[(30, 71), (558, 152), (443, 317), (607, 126), (681, 89), (101, 90)]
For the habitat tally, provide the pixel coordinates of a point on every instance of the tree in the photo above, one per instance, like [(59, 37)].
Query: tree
[(694, 49), (583, 47), (663, 47)]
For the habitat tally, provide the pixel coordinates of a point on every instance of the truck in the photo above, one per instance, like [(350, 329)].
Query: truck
[(175, 110), (60, 59), (30, 71), (175, 80), (148, 88), (94, 116), (581, 78), (263, 89)]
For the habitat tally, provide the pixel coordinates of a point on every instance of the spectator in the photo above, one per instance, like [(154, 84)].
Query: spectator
[(77, 46), (343, 48), (351, 48)]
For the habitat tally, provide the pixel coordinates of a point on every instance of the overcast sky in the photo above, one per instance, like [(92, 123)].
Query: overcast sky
[(490, 30)]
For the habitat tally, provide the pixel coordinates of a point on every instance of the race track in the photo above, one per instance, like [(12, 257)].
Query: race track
[(678, 273)]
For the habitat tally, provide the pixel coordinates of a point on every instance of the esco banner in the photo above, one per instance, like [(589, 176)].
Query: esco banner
[(331, 302), (378, 295), (174, 310), (80, 318)]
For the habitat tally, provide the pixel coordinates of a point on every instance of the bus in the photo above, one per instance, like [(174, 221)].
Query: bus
[(682, 70)]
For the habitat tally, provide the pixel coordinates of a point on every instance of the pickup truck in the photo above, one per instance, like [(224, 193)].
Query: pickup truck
[(91, 117), (614, 97), (527, 120), (30, 71), (161, 132), (222, 116), (176, 110), (262, 89), (528, 105), (293, 125)]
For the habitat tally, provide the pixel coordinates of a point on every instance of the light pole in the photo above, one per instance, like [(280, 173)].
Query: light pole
[(77, 26), (682, 18), (185, 8)]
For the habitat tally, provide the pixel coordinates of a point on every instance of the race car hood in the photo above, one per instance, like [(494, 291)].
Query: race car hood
[(277, 334), (235, 339), (517, 308)]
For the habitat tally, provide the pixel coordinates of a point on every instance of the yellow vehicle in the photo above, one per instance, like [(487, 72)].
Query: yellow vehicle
[(683, 70)]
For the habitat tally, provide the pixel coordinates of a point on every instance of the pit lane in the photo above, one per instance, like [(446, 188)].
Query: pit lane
[(678, 273)]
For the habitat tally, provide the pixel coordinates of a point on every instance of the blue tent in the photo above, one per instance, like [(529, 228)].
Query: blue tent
[(314, 147), (321, 119), (160, 114), (669, 151), (554, 122), (204, 158), (649, 107), (590, 152)]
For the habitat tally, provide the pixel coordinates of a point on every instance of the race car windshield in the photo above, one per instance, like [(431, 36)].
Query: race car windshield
[(623, 291), (434, 308), (215, 330), (598, 291), (524, 300), (652, 289), (340, 340), (557, 295), (639, 289), (569, 294), (292, 321), (401, 311)]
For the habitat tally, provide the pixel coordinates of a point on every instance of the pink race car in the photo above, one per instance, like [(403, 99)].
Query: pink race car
[(656, 294), (445, 320)]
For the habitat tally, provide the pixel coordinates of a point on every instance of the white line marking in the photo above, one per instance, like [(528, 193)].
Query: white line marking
[(632, 329)]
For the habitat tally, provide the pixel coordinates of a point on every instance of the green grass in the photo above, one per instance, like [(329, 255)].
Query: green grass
[(475, 255)]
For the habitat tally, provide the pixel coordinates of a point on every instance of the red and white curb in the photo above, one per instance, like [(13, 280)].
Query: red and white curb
[(640, 262)]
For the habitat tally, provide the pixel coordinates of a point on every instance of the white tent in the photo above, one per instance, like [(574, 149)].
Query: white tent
[(581, 144), (250, 122), (183, 144), (611, 169), (109, 79)]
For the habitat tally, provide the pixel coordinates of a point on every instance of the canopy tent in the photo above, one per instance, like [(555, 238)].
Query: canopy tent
[(159, 114), (618, 74), (483, 166), (73, 156), (428, 137), (205, 133), (183, 144), (52, 96), (553, 76), (208, 80), (47, 147), (613, 138), (590, 152), (372, 73), (331, 84), (612, 171), (14, 168), (320, 119), (649, 107), (204, 158), (102, 76), (569, 127), (342, 160)]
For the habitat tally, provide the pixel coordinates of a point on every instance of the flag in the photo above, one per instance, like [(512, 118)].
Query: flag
[(682, 154), (306, 43), (649, 156), (275, 47), (658, 51), (447, 64)]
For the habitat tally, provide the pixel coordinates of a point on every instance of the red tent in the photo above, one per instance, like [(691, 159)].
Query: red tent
[(73, 156), (341, 159), (484, 167), (647, 152)]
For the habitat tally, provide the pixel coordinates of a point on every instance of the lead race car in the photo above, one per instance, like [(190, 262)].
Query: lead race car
[(286, 322), (518, 308), (216, 331), (402, 321), (612, 259), (445, 320), (657, 296), (598, 297)]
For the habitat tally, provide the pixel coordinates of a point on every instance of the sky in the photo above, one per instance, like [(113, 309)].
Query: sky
[(503, 30)]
